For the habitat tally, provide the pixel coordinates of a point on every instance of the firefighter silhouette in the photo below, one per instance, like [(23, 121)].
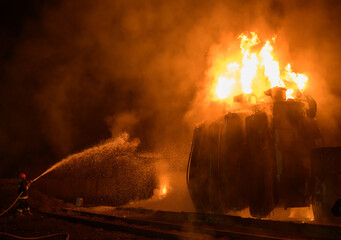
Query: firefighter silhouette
[(23, 187)]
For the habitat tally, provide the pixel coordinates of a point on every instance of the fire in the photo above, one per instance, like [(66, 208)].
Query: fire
[(164, 186), (250, 62), (224, 86), (225, 83), (257, 72), (271, 66), (248, 71), (289, 93), (164, 190), (298, 78)]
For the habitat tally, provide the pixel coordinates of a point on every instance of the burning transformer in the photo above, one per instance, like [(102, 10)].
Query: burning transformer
[(264, 155)]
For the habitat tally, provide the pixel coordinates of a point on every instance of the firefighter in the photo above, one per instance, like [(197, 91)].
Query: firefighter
[(23, 187)]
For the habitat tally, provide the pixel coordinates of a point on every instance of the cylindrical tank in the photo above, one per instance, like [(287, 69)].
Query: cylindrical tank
[(260, 165), (198, 176), (216, 177), (233, 163), (292, 138)]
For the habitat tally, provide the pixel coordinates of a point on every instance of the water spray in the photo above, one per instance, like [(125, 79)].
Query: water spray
[(119, 143)]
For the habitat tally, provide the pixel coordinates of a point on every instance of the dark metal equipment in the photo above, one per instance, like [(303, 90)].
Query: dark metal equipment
[(258, 157)]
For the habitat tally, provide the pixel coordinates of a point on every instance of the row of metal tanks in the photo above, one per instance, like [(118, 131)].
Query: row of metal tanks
[(263, 157)]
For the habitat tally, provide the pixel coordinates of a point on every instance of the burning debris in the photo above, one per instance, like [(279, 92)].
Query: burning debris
[(171, 192), (170, 195)]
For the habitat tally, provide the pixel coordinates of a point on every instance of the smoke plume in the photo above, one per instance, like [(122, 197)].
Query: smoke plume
[(76, 72)]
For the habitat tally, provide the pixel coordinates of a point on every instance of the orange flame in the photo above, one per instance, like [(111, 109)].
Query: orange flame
[(297, 78), (271, 66), (289, 93), (164, 190), (257, 72), (224, 86), (250, 61)]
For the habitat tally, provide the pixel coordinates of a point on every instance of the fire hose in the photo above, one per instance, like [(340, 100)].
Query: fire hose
[(33, 238), (2, 234), (16, 200)]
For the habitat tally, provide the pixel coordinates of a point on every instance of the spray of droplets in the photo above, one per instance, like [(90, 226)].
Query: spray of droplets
[(108, 147)]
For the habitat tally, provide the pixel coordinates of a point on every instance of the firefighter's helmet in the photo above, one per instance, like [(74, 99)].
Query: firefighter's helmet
[(22, 176)]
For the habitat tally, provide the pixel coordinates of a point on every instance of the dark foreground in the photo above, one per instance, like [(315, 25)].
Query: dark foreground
[(37, 225), (53, 216)]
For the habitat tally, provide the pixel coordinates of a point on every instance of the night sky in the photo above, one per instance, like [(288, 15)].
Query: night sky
[(74, 73)]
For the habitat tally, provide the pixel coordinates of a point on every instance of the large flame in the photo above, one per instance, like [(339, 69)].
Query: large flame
[(257, 72)]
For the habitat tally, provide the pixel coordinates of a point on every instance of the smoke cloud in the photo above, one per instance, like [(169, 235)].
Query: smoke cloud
[(76, 72), (122, 122)]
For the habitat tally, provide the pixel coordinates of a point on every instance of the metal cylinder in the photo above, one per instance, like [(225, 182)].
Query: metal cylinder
[(79, 202)]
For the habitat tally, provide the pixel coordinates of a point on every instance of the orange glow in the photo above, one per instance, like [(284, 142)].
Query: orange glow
[(289, 93), (224, 86), (297, 78), (248, 71), (226, 82), (271, 66), (250, 62), (304, 213), (164, 190), (255, 72)]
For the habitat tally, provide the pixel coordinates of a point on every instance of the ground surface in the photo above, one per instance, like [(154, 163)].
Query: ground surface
[(39, 225)]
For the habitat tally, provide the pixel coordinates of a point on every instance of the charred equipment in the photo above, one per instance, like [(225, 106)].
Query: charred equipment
[(263, 156)]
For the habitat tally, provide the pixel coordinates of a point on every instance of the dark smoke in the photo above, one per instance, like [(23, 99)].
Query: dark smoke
[(73, 72)]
